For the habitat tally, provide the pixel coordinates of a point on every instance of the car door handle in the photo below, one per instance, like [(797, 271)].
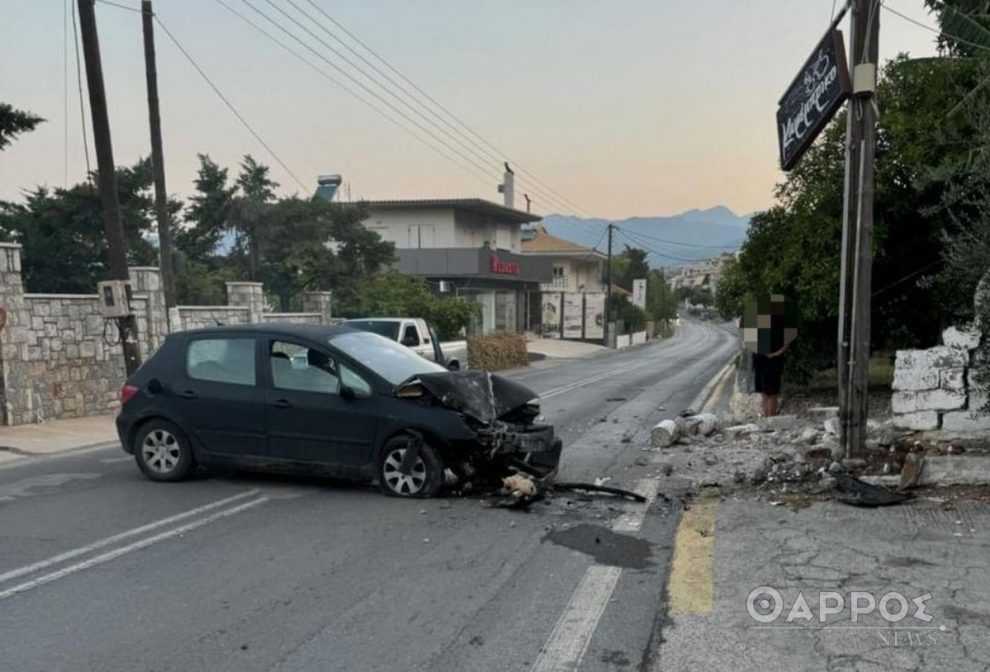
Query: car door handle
[(282, 403), (188, 394)]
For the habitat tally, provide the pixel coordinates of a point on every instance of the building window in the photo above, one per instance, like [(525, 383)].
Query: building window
[(559, 279)]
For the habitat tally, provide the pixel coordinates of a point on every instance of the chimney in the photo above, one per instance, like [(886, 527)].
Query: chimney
[(507, 188)]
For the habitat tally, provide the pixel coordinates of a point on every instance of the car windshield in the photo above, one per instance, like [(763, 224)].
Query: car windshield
[(393, 362), (386, 328)]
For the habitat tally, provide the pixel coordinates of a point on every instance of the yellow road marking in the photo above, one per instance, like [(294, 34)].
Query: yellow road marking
[(690, 588)]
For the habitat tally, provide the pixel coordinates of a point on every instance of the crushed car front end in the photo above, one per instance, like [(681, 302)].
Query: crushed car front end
[(504, 420)]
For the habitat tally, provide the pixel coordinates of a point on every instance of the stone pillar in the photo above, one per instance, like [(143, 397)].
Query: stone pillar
[(318, 302), (15, 389), (250, 294), (148, 280)]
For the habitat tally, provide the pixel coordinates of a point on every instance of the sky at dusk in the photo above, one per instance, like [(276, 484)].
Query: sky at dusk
[(623, 107)]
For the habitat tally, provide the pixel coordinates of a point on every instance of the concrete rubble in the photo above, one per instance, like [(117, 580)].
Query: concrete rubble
[(797, 456)]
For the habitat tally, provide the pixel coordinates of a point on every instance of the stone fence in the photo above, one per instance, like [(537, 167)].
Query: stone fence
[(59, 358), (934, 388)]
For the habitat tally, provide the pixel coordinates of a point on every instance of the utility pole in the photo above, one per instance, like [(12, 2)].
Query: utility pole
[(857, 228), (608, 287), (157, 157), (107, 183)]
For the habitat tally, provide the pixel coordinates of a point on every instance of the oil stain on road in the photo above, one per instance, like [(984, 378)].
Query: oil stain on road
[(604, 545)]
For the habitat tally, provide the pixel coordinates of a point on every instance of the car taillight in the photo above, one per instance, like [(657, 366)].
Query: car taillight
[(127, 393)]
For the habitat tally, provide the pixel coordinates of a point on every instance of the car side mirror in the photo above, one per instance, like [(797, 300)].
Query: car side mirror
[(453, 365)]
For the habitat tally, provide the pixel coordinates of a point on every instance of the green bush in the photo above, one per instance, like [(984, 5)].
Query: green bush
[(497, 352)]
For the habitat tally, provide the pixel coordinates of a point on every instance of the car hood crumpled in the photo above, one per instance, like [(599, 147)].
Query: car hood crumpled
[(478, 394)]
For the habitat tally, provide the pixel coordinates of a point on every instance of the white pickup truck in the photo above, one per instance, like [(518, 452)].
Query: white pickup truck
[(414, 333)]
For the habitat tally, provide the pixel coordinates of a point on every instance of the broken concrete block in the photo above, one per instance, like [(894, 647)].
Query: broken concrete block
[(955, 470), (688, 426), (911, 471), (809, 435), (664, 434), (707, 423), (818, 453), (739, 431), (962, 339), (832, 426), (778, 422), (916, 370), (824, 411), (966, 421), (927, 400), (920, 421), (953, 380), (854, 463)]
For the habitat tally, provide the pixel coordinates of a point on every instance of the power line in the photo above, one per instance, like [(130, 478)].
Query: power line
[(936, 31), (362, 85), (554, 195), (82, 104), (229, 105), (468, 167), (649, 248), (674, 242)]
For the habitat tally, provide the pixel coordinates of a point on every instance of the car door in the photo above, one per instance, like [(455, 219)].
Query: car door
[(218, 396), (412, 337), (308, 420)]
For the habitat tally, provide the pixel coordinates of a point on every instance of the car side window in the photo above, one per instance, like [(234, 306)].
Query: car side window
[(410, 336), (221, 360), (296, 367), (359, 385)]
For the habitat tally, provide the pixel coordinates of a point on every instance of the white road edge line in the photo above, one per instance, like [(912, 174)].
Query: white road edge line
[(572, 634), (76, 552), (136, 546)]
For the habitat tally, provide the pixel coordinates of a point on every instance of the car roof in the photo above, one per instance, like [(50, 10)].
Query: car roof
[(378, 319), (313, 332)]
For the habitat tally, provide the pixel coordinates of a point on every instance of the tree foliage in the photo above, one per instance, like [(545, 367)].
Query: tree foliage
[(14, 122), (62, 231)]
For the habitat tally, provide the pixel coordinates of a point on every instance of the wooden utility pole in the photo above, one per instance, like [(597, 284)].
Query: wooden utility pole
[(107, 183), (608, 288), (157, 157), (857, 228)]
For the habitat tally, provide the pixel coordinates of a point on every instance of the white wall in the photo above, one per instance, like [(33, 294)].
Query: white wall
[(582, 276), (411, 229)]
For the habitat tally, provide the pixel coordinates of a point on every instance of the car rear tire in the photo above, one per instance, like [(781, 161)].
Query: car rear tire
[(163, 452), (425, 477)]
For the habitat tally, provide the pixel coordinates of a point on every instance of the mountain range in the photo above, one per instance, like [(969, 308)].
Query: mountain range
[(671, 241)]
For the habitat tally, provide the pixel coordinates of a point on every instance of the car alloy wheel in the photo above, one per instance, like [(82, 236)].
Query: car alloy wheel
[(406, 485), (161, 451)]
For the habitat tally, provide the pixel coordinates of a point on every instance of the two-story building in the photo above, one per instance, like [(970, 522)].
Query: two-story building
[(466, 247), (575, 268)]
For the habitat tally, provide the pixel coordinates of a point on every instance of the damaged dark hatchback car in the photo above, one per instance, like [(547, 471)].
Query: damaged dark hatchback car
[(331, 401)]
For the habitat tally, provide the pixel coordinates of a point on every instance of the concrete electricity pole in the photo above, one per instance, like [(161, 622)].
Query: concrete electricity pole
[(857, 228), (608, 288), (157, 157), (107, 183)]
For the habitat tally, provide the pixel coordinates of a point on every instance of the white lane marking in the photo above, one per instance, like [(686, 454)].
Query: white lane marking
[(115, 460), (76, 552), (572, 634), (588, 381), (123, 550)]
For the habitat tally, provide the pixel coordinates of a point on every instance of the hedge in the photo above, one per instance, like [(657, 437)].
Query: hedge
[(503, 350)]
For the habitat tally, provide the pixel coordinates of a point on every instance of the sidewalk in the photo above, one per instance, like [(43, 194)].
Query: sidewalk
[(560, 349), (57, 436)]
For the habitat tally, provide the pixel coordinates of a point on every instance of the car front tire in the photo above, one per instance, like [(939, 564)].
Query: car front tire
[(425, 477), (162, 452)]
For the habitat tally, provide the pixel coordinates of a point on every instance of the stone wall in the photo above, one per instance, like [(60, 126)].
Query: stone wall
[(199, 317), (59, 358), (933, 388)]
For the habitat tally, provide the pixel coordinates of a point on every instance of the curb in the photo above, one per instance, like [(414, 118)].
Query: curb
[(705, 396), (31, 454)]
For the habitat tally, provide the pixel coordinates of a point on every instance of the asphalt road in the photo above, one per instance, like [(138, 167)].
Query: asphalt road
[(101, 569)]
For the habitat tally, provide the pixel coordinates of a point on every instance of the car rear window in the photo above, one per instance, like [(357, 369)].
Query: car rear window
[(222, 360), (387, 328)]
